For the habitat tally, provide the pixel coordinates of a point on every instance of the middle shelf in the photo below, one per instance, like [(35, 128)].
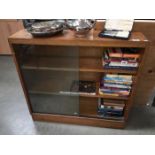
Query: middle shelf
[(60, 84), (53, 72)]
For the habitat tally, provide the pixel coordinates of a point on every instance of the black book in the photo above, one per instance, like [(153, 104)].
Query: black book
[(86, 87)]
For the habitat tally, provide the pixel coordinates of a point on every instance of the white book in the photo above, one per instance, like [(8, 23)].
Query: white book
[(119, 24), (118, 28), (123, 64)]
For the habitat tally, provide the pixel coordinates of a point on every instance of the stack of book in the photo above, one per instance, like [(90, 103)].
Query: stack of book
[(115, 85), (120, 58), (107, 108)]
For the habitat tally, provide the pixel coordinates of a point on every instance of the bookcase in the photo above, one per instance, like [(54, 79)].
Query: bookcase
[(47, 68)]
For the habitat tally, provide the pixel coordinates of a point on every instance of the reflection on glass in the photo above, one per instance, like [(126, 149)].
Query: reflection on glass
[(49, 72)]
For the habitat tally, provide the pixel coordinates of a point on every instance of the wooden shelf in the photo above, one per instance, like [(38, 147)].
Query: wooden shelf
[(71, 64), (56, 86), (76, 95), (67, 38), (97, 70)]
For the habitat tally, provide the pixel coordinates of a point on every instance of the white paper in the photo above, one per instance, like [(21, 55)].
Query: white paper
[(122, 34), (123, 25)]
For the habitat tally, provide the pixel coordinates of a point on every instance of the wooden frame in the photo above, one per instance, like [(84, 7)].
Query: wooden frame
[(137, 40)]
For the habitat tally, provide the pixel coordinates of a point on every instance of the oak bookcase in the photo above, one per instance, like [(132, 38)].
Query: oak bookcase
[(46, 67)]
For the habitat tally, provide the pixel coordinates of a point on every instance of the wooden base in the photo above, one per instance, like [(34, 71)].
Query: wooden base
[(79, 120)]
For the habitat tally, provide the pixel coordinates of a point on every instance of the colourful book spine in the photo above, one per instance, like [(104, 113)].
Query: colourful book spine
[(116, 86)]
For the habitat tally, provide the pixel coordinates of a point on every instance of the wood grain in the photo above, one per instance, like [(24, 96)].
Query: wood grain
[(79, 120), (68, 39), (7, 28)]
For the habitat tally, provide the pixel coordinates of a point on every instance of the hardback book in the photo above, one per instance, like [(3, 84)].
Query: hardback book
[(129, 83), (120, 29), (83, 87)]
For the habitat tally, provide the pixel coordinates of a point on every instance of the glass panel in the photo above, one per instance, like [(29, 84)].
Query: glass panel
[(49, 72)]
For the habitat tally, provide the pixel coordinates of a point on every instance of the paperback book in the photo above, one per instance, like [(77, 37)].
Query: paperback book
[(115, 85), (110, 109), (122, 58)]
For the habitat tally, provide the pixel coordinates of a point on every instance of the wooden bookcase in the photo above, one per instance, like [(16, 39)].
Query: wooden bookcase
[(46, 67)]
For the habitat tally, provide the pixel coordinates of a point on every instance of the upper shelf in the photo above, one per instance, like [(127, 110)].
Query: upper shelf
[(67, 38), (81, 64)]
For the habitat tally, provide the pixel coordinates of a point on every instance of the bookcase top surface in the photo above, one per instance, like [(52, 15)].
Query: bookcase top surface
[(68, 38)]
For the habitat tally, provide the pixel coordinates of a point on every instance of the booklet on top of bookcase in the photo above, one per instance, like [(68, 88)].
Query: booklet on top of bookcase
[(120, 29)]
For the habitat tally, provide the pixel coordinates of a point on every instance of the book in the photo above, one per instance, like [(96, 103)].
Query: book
[(123, 64), (125, 60), (119, 82), (120, 29), (120, 92), (118, 78), (122, 53), (113, 85), (120, 58), (113, 88), (106, 108), (119, 67), (108, 94), (83, 87)]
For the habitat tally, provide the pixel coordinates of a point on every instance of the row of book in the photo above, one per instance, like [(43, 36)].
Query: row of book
[(110, 108), (116, 85), (121, 58)]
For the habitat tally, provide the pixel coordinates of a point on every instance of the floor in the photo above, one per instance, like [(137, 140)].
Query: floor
[(15, 118)]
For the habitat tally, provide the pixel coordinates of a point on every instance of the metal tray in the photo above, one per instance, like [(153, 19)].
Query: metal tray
[(46, 29)]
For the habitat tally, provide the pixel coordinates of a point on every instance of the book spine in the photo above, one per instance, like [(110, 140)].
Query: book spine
[(119, 67), (117, 86)]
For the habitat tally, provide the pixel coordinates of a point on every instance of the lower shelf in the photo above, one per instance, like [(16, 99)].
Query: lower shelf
[(69, 106), (79, 120)]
